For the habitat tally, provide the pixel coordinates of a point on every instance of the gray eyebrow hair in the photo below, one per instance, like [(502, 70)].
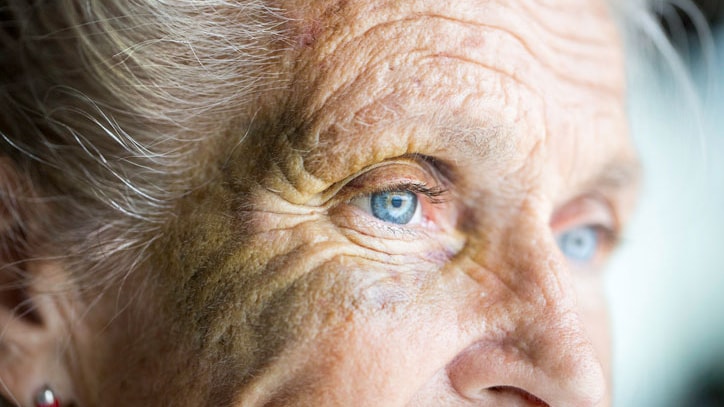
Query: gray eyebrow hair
[(496, 141), (489, 139), (618, 173)]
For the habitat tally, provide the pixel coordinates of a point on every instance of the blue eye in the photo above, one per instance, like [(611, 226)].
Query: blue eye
[(395, 206), (579, 244)]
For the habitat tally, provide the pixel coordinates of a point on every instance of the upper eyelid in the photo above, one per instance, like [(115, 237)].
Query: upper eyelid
[(327, 196), (437, 185), (435, 193), (585, 206)]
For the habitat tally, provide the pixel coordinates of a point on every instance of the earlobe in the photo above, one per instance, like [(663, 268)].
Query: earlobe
[(33, 335), (32, 316)]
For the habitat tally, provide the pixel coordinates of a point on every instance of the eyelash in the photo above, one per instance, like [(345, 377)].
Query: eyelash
[(435, 195), (611, 236)]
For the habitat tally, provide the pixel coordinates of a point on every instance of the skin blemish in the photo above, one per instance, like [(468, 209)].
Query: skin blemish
[(309, 34)]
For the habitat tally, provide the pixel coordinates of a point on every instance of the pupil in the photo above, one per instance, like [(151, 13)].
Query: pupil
[(396, 201)]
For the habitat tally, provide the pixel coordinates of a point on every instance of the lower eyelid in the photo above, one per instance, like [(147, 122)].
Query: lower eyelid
[(364, 224), (426, 246)]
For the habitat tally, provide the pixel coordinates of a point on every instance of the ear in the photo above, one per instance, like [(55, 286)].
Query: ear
[(32, 328)]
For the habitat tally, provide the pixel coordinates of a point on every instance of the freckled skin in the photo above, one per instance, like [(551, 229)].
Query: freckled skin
[(271, 289)]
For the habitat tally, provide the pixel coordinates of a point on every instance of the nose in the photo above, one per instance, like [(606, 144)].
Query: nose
[(551, 364), (529, 345)]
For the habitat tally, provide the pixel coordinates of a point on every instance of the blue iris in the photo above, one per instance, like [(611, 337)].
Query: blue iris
[(395, 206), (579, 244)]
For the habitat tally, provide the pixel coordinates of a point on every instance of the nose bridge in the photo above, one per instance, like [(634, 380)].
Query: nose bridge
[(540, 345), (531, 262), (524, 257)]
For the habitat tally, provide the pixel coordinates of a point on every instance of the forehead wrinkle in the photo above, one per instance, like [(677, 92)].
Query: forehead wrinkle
[(543, 51), (549, 10), (355, 39), (328, 131)]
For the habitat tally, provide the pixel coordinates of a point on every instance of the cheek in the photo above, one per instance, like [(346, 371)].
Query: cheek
[(382, 349), (346, 318), (593, 309)]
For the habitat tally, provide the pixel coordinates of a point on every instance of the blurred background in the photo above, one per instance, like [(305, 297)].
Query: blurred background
[(666, 284)]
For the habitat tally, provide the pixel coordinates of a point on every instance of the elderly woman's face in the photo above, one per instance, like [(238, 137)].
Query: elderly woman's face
[(419, 219)]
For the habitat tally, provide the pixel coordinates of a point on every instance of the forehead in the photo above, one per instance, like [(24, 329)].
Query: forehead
[(506, 81)]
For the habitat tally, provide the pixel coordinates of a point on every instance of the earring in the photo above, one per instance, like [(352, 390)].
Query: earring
[(46, 398)]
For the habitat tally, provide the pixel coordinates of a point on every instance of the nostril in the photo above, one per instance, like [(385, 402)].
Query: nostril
[(522, 394)]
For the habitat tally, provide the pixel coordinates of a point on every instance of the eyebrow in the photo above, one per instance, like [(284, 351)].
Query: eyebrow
[(621, 172), (493, 139), (481, 139), (490, 140), (618, 173)]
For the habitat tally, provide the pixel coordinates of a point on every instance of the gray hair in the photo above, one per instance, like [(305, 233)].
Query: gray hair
[(106, 105)]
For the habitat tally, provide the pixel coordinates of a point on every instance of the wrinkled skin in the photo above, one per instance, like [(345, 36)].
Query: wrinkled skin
[(276, 285)]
